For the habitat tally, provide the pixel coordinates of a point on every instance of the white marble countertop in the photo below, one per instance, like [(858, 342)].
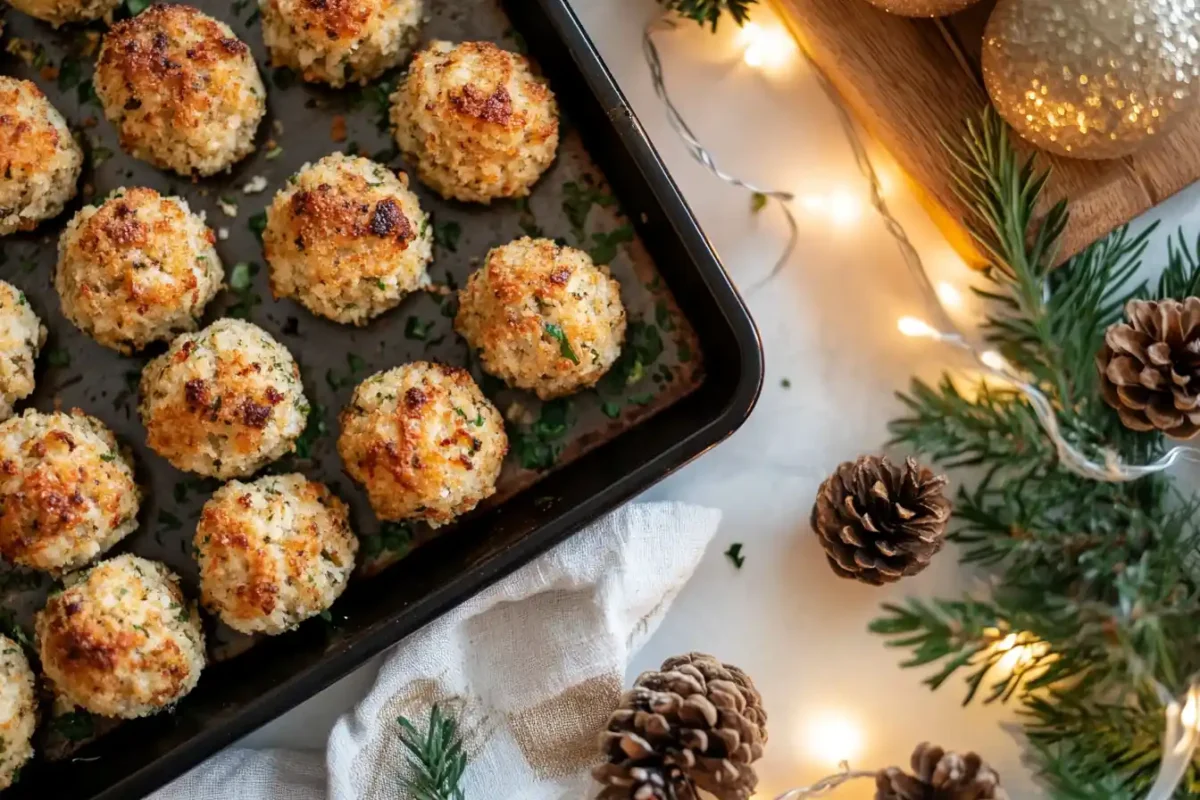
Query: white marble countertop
[(828, 326)]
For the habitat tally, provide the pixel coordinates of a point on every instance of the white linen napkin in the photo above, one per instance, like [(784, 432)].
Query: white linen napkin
[(532, 667)]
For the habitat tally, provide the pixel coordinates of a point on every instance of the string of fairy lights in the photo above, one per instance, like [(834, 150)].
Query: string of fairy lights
[(770, 46)]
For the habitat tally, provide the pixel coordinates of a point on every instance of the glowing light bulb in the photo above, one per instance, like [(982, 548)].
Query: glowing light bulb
[(911, 326), (766, 47), (813, 203), (832, 738), (993, 360), (1019, 651), (844, 208), (949, 294)]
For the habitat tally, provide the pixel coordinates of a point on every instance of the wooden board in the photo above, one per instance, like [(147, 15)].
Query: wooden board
[(914, 82)]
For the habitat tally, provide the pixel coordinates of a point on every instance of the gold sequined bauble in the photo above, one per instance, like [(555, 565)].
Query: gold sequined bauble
[(1093, 78), (922, 8)]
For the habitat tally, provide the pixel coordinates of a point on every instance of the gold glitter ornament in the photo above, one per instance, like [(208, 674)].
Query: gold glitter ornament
[(1093, 78), (922, 8)]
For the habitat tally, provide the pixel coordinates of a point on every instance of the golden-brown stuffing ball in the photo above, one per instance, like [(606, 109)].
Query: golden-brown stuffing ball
[(340, 41), (347, 239), (22, 335), (18, 710), (137, 269), (424, 442), (543, 317), (182, 90), (40, 160), (67, 491), (121, 640), (223, 401), (476, 121), (61, 12), (273, 552)]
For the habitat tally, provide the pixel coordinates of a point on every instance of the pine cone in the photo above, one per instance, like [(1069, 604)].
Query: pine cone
[(698, 719), (940, 776), (631, 782), (879, 522), (1150, 367)]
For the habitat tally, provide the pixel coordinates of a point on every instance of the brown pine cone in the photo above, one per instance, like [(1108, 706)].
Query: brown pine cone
[(1150, 367), (879, 522), (940, 776), (632, 782), (696, 716)]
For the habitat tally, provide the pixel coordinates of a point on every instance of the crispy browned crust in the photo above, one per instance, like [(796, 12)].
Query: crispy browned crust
[(333, 20), (102, 663), (489, 137), (336, 233), (235, 404), (52, 499), (104, 242), (224, 540), (399, 470), (169, 72), (502, 314), (25, 144)]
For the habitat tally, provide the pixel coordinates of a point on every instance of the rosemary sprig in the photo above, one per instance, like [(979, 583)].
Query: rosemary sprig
[(436, 758)]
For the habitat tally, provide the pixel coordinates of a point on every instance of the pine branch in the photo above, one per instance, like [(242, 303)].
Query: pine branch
[(436, 758), (1101, 579), (1181, 277), (710, 11)]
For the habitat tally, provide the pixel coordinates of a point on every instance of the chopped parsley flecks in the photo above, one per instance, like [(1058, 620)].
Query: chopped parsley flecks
[(539, 445), (578, 199), (643, 346), (446, 234), (564, 345), (257, 224), (662, 315), (355, 367), (417, 329), (75, 725), (393, 537), (85, 93), (604, 248), (241, 281), (314, 429), (69, 73)]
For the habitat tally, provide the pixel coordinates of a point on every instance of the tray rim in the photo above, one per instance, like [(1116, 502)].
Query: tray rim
[(740, 400)]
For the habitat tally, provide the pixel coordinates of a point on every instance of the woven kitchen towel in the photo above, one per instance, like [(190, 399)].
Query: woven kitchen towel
[(532, 666)]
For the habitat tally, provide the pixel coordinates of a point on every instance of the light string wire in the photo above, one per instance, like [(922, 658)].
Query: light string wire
[(1182, 735), (701, 154), (1109, 468), (828, 784)]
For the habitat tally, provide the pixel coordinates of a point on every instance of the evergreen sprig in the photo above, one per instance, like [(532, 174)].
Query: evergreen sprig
[(436, 758), (710, 11), (1098, 580)]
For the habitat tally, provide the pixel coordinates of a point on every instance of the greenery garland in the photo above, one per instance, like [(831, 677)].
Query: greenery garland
[(1099, 580)]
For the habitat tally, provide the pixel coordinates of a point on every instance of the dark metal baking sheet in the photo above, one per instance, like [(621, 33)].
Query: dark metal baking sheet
[(698, 381)]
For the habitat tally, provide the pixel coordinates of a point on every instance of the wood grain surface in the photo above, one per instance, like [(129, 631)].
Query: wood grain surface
[(913, 82)]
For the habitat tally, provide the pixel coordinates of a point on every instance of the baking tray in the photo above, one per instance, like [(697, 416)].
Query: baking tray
[(693, 363)]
